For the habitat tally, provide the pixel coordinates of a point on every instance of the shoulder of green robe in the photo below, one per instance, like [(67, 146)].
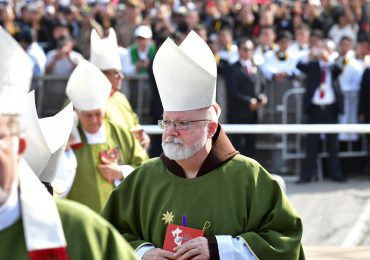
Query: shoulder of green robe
[(87, 231), (151, 166), (245, 169), (119, 103), (72, 212), (118, 127), (251, 167), (120, 97)]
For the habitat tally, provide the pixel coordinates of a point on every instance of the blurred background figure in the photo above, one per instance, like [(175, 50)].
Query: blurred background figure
[(34, 51), (140, 53), (245, 96), (62, 60), (322, 104), (266, 43), (127, 20)]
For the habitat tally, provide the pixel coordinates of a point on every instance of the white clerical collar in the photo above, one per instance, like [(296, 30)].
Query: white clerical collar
[(10, 211), (100, 137)]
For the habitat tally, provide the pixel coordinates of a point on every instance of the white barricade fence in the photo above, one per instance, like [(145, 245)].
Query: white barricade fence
[(296, 129), (282, 129)]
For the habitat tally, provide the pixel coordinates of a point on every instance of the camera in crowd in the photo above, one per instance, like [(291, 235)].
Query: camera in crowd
[(62, 41)]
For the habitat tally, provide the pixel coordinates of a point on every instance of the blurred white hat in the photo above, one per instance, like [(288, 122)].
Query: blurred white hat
[(143, 31), (185, 75), (88, 88), (15, 73), (105, 52), (46, 138)]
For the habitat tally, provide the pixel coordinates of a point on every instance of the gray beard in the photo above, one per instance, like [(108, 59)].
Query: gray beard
[(174, 149)]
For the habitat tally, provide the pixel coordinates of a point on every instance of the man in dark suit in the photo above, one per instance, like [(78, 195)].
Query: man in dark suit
[(244, 91), (364, 109), (322, 104)]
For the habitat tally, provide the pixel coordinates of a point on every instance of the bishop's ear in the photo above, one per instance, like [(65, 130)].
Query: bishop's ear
[(212, 129)]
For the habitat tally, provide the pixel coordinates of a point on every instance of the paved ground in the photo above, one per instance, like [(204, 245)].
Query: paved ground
[(330, 210), (335, 253)]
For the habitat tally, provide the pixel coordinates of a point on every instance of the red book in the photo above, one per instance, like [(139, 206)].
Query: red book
[(177, 235)]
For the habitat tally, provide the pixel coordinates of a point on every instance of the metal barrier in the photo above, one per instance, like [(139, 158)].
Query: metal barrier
[(296, 129), (293, 148), (50, 93), (50, 98)]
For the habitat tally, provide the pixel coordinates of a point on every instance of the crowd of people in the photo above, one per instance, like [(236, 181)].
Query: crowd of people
[(204, 197), (281, 34), (169, 207), (57, 28)]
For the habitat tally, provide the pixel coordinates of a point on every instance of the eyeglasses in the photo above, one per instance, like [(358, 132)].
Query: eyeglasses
[(178, 124)]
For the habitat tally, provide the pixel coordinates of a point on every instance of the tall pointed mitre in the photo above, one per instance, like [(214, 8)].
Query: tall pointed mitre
[(185, 75), (46, 137), (15, 73), (88, 88), (104, 52)]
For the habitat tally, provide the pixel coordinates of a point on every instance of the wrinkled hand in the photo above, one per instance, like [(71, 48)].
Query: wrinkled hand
[(195, 249), (157, 253), (110, 172)]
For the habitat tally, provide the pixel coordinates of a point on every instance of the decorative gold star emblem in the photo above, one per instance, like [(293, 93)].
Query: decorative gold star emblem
[(168, 217)]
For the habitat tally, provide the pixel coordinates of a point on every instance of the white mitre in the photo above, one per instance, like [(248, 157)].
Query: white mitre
[(104, 52), (88, 88), (47, 139), (15, 73), (185, 75)]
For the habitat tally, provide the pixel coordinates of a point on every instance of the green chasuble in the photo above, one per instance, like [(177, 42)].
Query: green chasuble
[(120, 111), (238, 198), (88, 236), (89, 186)]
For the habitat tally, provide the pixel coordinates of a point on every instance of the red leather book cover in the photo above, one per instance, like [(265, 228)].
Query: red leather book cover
[(177, 235)]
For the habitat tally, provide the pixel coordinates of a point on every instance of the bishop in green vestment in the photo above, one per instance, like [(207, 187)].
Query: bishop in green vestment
[(90, 187), (105, 56), (200, 181), (232, 194), (107, 152)]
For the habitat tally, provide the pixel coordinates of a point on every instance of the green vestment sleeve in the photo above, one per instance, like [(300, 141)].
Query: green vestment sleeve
[(120, 111), (239, 198), (88, 236)]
